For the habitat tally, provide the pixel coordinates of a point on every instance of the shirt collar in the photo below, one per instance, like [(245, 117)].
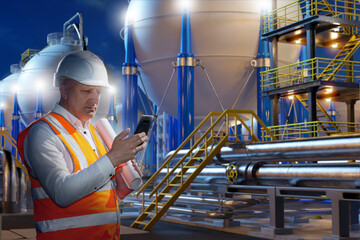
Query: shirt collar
[(70, 117)]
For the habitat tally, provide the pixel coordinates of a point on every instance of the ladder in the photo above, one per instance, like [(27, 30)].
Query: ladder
[(328, 128), (202, 150), (340, 59)]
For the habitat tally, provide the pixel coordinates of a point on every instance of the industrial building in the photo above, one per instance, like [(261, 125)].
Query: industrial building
[(256, 131)]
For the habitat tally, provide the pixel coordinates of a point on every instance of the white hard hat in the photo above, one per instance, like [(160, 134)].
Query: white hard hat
[(84, 67)]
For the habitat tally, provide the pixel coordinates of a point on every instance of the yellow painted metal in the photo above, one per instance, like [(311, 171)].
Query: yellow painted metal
[(202, 150), (328, 118), (25, 56), (340, 59), (294, 12), (308, 70), (7, 137), (310, 129)]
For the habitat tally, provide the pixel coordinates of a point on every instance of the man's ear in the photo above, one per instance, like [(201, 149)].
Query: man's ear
[(64, 91)]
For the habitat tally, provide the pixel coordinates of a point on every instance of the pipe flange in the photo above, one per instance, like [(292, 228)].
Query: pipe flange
[(129, 70), (252, 168), (232, 173)]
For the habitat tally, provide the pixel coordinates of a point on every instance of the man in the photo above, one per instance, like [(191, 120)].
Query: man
[(70, 169)]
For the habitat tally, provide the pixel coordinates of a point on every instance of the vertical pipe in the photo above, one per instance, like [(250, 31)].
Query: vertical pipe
[(15, 125), (38, 111), (185, 64), (111, 113), (130, 83), (2, 125), (263, 102), (153, 158), (172, 139)]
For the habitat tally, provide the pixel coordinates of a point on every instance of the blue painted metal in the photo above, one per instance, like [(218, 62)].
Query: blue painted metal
[(130, 83), (263, 103), (2, 124), (172, 126), (185, 81), (15, 123), (39, 111), (111, 114), (153, 147)]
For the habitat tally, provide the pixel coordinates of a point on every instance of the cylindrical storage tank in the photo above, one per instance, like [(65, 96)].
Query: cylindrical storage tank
[(225, 36), (40, 69)]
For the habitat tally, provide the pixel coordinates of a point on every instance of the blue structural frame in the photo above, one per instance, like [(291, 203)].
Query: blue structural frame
[(186, 64), (130, 83), (263, 102), (39, 110), (15, 123), (111, 114)]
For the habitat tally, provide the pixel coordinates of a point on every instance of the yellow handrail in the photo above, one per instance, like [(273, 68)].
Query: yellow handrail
[(13, 143), (226, 114), (294, 12)]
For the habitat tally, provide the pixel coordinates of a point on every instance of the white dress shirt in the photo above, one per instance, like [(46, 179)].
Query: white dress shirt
[(51, 164)]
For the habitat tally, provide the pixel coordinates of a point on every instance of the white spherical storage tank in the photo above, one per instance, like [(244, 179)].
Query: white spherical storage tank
[(8, 87), (38, 75), (225, 36)]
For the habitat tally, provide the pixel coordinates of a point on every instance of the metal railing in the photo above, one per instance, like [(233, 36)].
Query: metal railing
[(25, 56), (310, 129), (308, 71), (297, 10), (5, 137)]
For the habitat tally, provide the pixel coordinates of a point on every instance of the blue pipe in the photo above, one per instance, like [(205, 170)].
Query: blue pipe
[(111, 114), (15, 123), (130, 83), (185, 63), (172, 139), (39, 111), (263, 103)]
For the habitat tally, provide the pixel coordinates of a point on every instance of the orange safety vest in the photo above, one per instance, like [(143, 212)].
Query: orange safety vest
[(92, 217)]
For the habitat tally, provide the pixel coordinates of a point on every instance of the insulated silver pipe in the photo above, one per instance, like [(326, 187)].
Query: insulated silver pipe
[(219, 202), (10, 201), (310, 149), (209, 214), (344, 175)]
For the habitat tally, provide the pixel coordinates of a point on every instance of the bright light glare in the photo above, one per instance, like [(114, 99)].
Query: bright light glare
[(265, 5), (15, 88), (291, 97), (298, 41), (185, 4), (2, 105), (328, 99), (112, 90), (334, 35), (329, 90), (335, 45), (40, 85), (131, 15)]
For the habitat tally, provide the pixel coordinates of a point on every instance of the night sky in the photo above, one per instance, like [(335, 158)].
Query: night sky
[(25, 24)]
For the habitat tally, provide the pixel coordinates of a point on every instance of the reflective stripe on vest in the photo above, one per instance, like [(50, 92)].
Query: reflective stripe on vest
[(97, 212)]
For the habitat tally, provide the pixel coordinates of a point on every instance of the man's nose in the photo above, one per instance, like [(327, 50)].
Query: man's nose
[(95, 97)]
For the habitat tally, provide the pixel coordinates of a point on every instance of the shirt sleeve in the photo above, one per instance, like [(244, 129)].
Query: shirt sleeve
[(45, 154)]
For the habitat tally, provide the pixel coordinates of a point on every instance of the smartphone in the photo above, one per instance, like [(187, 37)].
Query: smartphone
[(144, 124)]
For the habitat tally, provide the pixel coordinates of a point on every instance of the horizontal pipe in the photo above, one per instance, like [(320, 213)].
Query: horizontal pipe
[(209, 214), (220, 202), (344, 175), (310, 149)]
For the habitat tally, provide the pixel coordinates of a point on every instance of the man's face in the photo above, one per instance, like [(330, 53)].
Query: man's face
[(81, 100)]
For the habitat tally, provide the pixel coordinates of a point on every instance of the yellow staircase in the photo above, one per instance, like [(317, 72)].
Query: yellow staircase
[(201, 152), (324, 8), (340, 59), (325, 117)]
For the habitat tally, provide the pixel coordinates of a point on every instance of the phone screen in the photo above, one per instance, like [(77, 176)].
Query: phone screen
[(144, 124)]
